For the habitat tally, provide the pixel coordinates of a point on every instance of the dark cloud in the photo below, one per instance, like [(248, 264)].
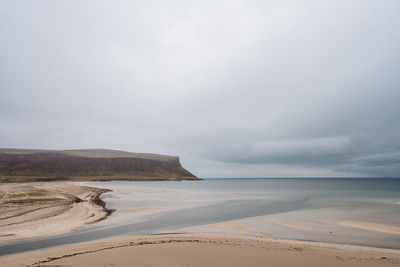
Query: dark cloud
[(236, 88)]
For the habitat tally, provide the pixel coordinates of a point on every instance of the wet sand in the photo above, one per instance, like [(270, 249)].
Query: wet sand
[(376, 227)]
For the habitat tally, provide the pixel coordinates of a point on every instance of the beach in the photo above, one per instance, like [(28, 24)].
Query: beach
[(33, 210), (204, 250), (199, 133), (195, 224)]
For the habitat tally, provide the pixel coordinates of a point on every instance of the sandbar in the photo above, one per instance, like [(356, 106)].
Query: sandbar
[(32, 210)]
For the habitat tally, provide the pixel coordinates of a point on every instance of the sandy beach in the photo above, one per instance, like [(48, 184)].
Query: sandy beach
[(31, 210), (204, 250)]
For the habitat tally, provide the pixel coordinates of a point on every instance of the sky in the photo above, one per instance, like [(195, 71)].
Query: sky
[(235, 88)]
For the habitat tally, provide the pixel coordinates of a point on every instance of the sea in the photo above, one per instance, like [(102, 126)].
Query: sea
[(352, 211)]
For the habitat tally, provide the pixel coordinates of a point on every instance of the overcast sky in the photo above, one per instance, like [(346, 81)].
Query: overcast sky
[(235, 88)]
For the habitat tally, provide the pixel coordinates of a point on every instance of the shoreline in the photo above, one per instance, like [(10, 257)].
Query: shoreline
[(240, 228), (217, 249), (88, 197), (41, 209)]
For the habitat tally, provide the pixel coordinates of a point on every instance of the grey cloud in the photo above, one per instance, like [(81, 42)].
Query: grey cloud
[(344, 154), (380, 159), (236, 88), (312, 151)]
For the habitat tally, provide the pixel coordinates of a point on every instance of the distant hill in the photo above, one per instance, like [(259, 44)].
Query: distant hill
[(20, 165)]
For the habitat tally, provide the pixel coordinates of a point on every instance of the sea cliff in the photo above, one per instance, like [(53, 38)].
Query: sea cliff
[(23, 165)]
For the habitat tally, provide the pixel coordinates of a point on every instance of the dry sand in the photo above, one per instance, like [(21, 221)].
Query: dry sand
[(40, 209), (204, 250)]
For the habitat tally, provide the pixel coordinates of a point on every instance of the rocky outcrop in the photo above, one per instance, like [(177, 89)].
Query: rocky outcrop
[(90, 164)]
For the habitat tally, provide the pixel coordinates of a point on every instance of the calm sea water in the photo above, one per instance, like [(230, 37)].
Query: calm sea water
[(302, 209), (270, 184)]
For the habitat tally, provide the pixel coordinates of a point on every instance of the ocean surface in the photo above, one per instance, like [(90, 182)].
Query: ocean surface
[(362, 212)]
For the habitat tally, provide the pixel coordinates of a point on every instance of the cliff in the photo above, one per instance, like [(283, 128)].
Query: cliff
[(22, 165)]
